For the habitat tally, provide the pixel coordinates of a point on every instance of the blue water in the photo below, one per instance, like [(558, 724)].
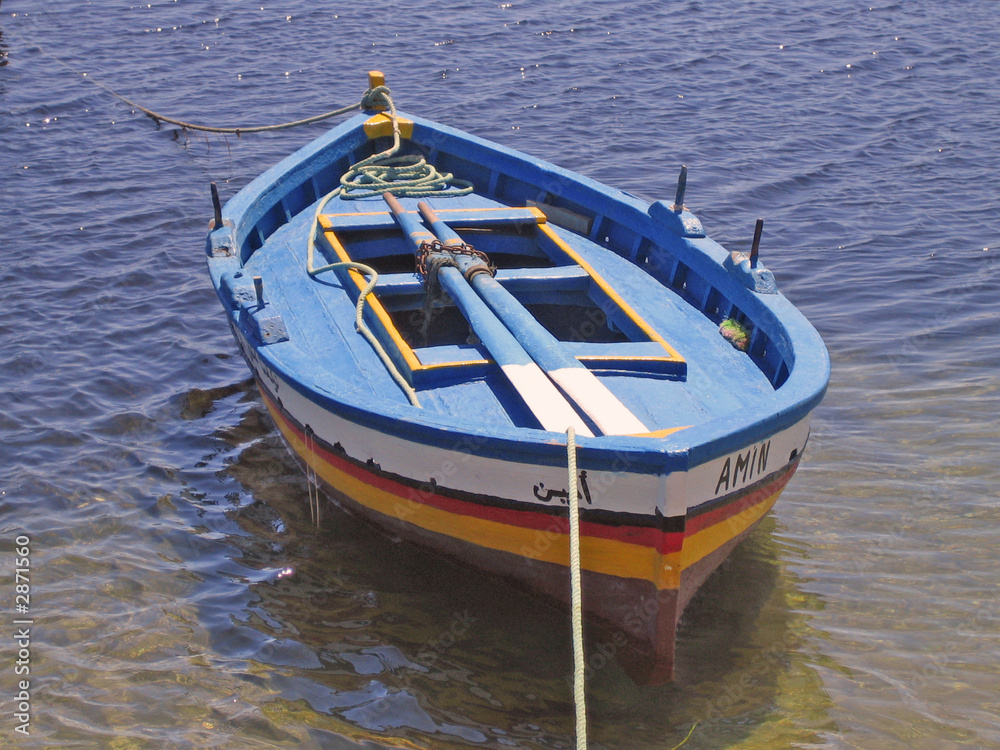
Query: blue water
[(180, 594)]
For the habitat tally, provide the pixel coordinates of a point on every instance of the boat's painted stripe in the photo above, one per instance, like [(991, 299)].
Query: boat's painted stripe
[(608, 556), (739, 503), (648, 530), (411, 495), (740, 517), (605, 287), (624, 551)]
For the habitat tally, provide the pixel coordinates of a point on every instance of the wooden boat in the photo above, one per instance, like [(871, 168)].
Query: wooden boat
[(519, 300)]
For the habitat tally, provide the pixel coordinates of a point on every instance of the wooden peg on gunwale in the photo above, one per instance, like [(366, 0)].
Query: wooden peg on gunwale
[(376, 78), (755, 247), (217, 206), (681, 187)]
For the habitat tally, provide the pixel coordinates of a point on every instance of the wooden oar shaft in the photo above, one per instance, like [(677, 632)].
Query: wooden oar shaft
[(442, 231), (536, 390), (408, 222), (571, 375)]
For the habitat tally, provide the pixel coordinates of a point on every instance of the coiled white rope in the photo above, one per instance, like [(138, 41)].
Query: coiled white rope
[(408, 175), (576, 591)]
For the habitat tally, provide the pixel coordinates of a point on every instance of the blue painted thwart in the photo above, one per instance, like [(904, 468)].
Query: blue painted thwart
[(609, 304)]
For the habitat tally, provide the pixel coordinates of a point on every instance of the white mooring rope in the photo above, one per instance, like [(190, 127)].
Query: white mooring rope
[(576, 590), (312, 479), (359, 323)]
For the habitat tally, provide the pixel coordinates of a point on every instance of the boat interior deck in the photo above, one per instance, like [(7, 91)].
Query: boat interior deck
[(657, 353)]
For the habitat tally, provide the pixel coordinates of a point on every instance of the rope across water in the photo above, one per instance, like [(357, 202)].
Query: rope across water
[(385, 171), (158, 118)]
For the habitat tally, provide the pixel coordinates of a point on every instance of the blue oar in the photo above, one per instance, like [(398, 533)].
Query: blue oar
[(594, 398), (539, 394)]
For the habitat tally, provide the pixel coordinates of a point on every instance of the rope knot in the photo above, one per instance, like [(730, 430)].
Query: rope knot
[(376, 97)]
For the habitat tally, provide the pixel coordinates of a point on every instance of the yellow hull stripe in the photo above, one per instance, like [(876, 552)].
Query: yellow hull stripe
[(600, 555), (709, 539)]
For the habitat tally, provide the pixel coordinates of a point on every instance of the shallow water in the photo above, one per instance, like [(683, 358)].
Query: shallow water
[(180, 593)]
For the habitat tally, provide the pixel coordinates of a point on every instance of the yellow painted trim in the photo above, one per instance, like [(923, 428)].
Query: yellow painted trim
[(410, 357), (673, 355), (661, 433), (607, 556), (540, 216), (487, 210), (462, 363), (710, 539), (618, 358), (536, 214), (325, 219), (380, 125)]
